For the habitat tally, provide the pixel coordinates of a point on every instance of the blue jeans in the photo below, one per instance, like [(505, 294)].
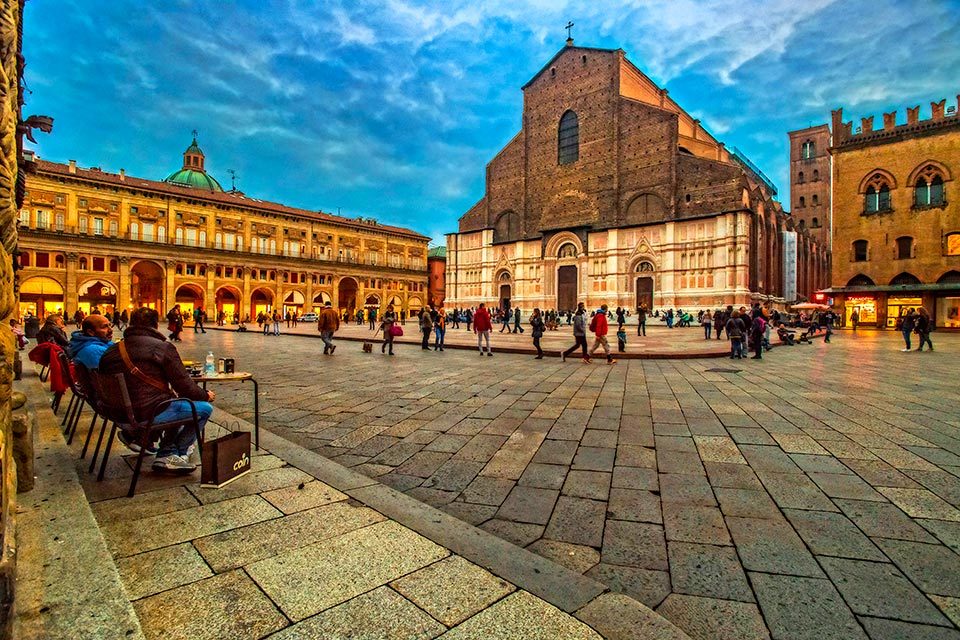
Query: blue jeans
[(906, 337), (736, 348), (438, 334), (179, 440)]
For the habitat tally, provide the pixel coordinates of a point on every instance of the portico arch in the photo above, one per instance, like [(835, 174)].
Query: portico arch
[(41, 295), (147, 285), (97, 296), (261, 301), (293, 302), (189, 296), (227, 301), (347, 293)]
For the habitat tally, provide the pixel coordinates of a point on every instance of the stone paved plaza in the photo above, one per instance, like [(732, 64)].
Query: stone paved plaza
[(813, 494)]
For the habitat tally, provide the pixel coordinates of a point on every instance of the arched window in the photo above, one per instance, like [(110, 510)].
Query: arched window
[(877, 197), (568, 139), (904, 248), (803, 202), (816, 175), (860, 250), (645, 266), (800, 178), (928, 191), (83, 264), (808, 150), (815, 223), (567, 251)]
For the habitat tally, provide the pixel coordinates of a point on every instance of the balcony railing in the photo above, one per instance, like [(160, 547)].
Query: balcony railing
[(76, 232)]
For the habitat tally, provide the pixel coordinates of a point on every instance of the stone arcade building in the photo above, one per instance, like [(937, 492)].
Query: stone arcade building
[(93, 239), (613, 193)]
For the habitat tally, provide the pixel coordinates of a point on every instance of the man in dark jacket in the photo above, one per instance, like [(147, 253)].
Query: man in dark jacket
[(158, 360), (327, 323), (52, 331), (88, 345)]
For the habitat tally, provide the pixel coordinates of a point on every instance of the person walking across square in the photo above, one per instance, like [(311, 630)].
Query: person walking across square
[(327, 323), (579, 335), (600, 328), (482, 327)]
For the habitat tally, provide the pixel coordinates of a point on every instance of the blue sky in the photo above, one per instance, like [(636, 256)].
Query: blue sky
[(392, 108)]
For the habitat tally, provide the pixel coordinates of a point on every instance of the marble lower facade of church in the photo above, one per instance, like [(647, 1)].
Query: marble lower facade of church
[(690, 264)]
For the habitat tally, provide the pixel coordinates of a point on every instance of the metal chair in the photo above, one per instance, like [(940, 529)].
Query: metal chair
[(115, 405)]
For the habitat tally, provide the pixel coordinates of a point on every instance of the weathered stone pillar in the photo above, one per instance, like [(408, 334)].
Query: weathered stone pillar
[(126, 283)]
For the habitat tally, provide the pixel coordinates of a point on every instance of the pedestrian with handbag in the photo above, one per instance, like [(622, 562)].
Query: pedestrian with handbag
[(536, 323), (390, 329)]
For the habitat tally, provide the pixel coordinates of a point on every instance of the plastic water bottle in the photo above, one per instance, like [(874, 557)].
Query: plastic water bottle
[(210, 366)]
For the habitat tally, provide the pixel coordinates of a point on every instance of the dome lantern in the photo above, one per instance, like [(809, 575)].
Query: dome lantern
[(193, 174)]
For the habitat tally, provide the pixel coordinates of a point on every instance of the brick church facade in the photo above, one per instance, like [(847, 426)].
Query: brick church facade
[(612, 193)]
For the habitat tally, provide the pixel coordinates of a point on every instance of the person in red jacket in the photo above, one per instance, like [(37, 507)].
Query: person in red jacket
[(600, 328), (482, 326)]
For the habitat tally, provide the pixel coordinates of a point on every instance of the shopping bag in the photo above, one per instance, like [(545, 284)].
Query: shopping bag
[(225, 459), (396, 330)]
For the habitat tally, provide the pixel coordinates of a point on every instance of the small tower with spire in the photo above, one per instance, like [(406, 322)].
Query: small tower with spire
[(193, 156)]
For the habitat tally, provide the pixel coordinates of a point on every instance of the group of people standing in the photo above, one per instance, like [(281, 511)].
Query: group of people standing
[(915, 321)]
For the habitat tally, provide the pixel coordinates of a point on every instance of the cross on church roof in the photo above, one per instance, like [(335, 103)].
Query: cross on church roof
[(195, 133), (568, 28)]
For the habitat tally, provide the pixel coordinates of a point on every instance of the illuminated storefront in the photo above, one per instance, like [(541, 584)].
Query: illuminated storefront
[(948, 312), (899, 306), (865, 306)]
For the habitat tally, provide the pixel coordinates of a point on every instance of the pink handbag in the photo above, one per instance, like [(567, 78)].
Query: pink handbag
[(396, 330)]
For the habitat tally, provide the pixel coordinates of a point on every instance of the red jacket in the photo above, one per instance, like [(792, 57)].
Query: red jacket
[(481, 320), (47, 355), (599, 324)]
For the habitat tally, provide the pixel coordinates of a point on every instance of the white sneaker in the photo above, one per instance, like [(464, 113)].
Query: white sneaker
[(904, 350), (173, 463)]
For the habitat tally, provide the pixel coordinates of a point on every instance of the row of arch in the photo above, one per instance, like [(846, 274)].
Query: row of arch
[(927, 181), (905, 247), (904, 278), (46, 294)]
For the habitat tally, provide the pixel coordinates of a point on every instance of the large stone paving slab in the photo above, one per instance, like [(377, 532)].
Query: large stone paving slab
[(610, 465)]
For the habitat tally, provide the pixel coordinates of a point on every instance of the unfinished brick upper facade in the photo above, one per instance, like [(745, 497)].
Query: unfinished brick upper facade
[(656, 211)]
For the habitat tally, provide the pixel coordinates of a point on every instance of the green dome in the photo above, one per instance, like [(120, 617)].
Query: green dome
[(193, 179)]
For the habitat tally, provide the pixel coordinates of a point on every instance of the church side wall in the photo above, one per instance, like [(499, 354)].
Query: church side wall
[(647, 150)]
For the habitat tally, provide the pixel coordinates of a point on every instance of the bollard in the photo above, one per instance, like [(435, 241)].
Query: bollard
[(24, 424)]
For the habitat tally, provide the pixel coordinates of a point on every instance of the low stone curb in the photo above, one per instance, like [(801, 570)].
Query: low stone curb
[(521, 350)]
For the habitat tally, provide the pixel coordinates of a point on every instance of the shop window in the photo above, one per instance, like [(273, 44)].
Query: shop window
[(860, 250), (904, 248), (568, 139), (952, 244)]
